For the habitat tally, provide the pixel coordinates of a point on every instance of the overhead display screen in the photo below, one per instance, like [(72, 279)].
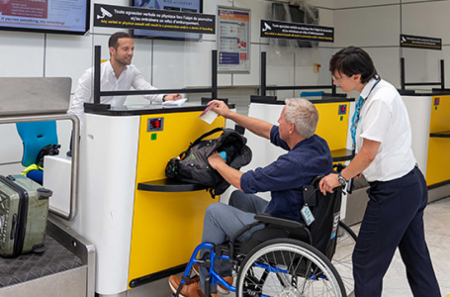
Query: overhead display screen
[(194, 6), (48, 16)]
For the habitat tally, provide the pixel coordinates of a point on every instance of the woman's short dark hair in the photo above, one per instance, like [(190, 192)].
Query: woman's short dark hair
[(114, 39), (353, 60)]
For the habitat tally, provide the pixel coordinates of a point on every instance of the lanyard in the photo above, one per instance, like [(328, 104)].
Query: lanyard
[(356, 116), (370, 92)]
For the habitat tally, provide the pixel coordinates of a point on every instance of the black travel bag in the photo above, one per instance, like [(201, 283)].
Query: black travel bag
[(23, 215), (326, 211), (192, 165)]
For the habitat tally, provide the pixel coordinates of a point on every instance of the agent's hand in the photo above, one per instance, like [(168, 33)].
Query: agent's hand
[(328, 183), (220, 107), (171, 97), (215, 160)]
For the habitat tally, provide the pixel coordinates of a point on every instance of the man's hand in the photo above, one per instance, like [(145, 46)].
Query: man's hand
[(215, 160), (231, 175), (220, 107), (328, 183), (171, 97)]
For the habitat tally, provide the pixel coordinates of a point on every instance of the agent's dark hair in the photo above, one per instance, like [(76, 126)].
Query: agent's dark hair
[(353, 60), (114, 39)]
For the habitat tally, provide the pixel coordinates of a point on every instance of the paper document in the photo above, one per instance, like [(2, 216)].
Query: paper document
[(208, 115), (177, 102)]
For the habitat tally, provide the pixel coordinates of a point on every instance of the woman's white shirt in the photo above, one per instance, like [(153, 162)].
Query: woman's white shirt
[(384, 119)]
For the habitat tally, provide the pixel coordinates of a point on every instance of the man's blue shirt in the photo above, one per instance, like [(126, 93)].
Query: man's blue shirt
[(285, 177)]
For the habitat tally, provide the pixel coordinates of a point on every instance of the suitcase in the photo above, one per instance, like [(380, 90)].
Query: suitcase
[(23, 215)]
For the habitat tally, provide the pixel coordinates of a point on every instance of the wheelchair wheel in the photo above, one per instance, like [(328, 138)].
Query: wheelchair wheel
[(342, 258), (287, 268)]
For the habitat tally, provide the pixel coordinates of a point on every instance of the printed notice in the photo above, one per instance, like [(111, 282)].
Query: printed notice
[(234, 40), (420, 42), (276, 29), (153, 19)]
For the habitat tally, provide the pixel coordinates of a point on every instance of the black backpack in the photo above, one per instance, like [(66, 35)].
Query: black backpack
[(192, 165)]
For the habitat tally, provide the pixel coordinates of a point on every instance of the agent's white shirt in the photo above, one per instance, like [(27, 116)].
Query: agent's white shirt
[(130, 77), (384, 119)]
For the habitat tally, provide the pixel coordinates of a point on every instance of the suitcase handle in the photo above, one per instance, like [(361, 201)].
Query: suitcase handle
[(13, 227), (44, 193), (11, 178)]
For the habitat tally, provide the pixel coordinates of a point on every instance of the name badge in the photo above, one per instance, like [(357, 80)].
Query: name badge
[(307, 215)]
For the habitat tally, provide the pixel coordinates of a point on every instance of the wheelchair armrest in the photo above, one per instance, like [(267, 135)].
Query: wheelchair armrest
[(244, 229), (268, 219)]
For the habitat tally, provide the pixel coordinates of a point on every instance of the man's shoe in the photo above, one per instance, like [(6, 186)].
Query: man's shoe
[(221, 289), (189, 289)]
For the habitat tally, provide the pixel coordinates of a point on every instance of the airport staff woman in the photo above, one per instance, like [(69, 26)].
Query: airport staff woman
[(398, 193)]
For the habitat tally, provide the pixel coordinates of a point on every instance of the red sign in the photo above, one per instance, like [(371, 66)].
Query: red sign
[(25, 8)]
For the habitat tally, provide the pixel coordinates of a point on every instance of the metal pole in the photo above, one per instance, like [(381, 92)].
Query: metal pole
[(75, 157), (333, 87), (214, 74), (263, 73), (442, 75), (97, 62), (402, 74)]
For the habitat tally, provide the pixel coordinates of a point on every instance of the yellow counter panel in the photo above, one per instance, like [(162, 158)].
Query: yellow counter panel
[(438, 162), (167, 226), (333, 123)]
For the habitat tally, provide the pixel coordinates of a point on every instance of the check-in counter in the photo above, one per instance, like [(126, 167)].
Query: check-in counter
[(419, 111), (333, 127), (144, 227), (428, 114)]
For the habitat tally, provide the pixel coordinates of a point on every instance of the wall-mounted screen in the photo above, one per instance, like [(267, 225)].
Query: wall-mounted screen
[(294, 14), (194, 6), (45, 16)]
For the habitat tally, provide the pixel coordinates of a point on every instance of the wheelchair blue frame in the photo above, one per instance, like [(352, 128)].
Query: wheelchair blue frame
[(215, 278), (230, 253)]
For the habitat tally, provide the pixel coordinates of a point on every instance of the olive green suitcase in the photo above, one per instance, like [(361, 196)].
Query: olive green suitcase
[(23, 215)]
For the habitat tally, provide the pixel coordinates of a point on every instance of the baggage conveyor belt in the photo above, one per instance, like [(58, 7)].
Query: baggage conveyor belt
[(56, 258), (66, 268)]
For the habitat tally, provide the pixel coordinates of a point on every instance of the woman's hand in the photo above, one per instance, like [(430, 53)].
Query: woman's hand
[(328, 183)]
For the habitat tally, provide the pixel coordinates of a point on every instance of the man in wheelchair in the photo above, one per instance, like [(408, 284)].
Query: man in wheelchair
[(308, 156)]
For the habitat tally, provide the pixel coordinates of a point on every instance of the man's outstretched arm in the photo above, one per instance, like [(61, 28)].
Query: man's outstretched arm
[(257, 126)]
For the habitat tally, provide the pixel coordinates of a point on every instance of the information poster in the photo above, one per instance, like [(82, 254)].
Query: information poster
[(233, 40), (62, 15)]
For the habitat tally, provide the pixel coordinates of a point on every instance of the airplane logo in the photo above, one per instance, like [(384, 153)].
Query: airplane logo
[(266, 27)]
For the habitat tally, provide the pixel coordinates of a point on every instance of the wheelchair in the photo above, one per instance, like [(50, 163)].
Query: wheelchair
[(284, 258)]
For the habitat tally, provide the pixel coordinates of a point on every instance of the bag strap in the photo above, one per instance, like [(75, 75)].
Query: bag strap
[(50, 149), (198, 140)]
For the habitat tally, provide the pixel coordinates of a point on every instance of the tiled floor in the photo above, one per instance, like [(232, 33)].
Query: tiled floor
[(437, 229)]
